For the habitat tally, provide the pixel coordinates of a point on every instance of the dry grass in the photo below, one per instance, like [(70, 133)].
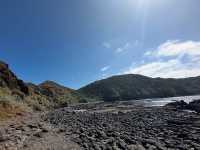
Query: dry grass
[(10, 109)]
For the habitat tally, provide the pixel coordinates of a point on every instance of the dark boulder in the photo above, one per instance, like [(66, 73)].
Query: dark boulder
[(178, 105), (194, 105)]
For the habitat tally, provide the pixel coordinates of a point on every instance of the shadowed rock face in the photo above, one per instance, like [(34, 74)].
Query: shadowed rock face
[(178, 105), (194, 105), (9, 80), (131, 86)]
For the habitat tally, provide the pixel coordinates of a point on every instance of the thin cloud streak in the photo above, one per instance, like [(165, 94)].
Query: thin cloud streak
[(105, 68), (106, 45), (123, 48)]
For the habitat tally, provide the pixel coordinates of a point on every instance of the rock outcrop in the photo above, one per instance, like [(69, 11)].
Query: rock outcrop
[(181, 105), (10, 81), (194, 105), (178, 105)]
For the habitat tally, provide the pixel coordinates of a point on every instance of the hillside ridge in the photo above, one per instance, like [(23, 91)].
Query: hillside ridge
[(134, 86), (46, 95)]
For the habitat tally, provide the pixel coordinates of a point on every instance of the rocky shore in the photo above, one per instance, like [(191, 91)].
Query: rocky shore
[(31, 132), (105, 126), (130, 128)]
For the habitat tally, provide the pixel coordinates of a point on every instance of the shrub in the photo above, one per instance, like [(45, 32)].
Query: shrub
[(10, 109)]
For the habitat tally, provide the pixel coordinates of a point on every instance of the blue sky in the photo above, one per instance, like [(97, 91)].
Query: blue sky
[(74, 42)]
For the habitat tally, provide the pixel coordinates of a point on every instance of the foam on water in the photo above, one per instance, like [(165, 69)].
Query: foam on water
[(164, 101)]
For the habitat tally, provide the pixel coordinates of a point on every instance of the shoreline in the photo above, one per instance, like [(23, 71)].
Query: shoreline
[(105, 126), (139, 127)]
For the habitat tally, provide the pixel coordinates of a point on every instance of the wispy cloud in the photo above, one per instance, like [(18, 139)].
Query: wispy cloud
[(106, 45), (105, 68), (172, 59), (175, 48), (123, 48)]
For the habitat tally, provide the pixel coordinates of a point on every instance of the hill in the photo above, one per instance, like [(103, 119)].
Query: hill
[(132, 86), (46, 95), (60, 93), (10, 84), (49, 94)]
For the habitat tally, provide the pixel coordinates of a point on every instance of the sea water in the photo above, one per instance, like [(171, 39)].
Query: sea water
[(164, 101)]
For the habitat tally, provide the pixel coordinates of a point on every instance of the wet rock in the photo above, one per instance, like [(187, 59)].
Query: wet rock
[(178, 105), (194, 105)]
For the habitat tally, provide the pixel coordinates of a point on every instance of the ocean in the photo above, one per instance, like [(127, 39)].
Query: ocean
[(164, 101)]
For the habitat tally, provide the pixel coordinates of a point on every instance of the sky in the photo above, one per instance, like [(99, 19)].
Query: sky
[(75, 42)]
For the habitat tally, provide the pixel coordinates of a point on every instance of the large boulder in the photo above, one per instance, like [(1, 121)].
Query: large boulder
[(178, 105), (194, 105)]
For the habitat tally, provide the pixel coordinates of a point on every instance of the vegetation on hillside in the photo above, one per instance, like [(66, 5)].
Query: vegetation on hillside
[(131, 86), (47, 95), (10, 109)]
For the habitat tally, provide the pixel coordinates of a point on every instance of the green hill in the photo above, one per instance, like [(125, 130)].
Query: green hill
[(131, 86)]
